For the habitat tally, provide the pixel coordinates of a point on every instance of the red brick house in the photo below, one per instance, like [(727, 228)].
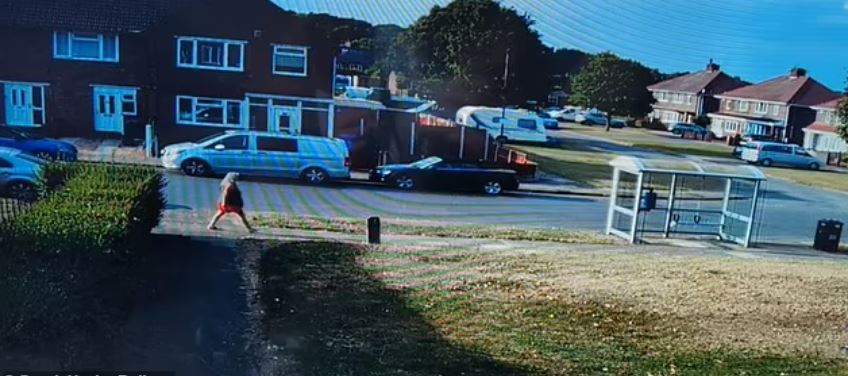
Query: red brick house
[(683, 98), (779, 108), (821, 135), (112, 66)]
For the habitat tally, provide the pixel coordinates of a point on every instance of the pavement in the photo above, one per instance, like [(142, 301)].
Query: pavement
[(110, 150)]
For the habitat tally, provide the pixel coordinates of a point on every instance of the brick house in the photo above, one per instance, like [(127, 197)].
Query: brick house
[(683, 98), (779, 108), (109, 68), (821, 135)]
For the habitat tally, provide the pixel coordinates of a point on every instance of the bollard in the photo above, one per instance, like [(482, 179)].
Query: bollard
[(373, 231), (149, 151)]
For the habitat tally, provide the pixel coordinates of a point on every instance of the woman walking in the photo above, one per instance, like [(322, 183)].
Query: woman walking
[(230, 202)]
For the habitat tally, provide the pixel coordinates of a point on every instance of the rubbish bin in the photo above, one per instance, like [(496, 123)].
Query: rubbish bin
[(828, 234)]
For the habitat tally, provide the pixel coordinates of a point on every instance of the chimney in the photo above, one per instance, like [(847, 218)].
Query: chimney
[(713, 67), (797, 72)]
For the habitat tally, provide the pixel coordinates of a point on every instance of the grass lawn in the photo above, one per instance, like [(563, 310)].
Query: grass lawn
[(822, 179), (586, 168), (358, 226), (345, 309)]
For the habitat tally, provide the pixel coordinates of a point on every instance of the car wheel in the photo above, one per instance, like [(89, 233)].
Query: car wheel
[(404, 182), (22, 190), (814, 166), (196, 167), (314, 176), (44, 155), (766, 162), (493, 188)]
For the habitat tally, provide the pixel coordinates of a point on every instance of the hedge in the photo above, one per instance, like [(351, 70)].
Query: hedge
[(66, 260)]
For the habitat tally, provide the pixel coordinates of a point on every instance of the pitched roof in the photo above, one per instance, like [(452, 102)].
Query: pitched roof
[(821, 127), (86, 15), (802, 90), (697, 81), (832, 104)]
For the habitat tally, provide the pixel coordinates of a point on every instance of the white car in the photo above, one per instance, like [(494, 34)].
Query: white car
[(18, 174), (569, 113), (312, 159)]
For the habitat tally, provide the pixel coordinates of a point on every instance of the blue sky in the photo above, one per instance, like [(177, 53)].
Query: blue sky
[(756, 39)]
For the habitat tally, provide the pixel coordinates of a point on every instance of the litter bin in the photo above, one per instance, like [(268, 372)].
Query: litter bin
[(828, 234)]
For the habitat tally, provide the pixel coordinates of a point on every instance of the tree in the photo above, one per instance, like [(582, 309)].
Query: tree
[(615, 86), (457, 54), (565, 64), (842, 112)]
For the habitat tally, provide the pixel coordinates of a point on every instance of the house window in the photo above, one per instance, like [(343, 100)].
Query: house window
[(827, 116), (775, 110), (677, 98), (209, 111), (663, 96), (743, 106), (728, 105), (290, 60), (85, 46), (761, 108), (688, 98), (24, 104), (207, 53), (129, 104)]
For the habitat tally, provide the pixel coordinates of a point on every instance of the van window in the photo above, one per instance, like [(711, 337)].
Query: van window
[(277, 144), (5, 164), (778, 149), (232, 143), (527, 124)]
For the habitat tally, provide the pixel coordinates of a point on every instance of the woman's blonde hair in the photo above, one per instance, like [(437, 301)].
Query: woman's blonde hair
[(230, 178)]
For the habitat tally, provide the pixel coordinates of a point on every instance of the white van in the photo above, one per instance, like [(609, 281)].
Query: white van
[(313, 159), (505, 126)]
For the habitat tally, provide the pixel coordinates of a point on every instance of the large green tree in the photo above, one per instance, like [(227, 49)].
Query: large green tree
[(458, 54), (614, 85)]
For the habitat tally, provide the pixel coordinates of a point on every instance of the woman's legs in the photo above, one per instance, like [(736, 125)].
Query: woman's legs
[(215, 219), (244, 220)]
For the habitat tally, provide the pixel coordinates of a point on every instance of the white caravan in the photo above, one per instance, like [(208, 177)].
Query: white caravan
[(506, 126)]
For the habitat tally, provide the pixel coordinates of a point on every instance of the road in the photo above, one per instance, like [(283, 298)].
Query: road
[(789, 211)]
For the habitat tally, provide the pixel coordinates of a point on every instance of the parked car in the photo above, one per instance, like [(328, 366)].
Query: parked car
[(312, 159), (547, 121), (436, 173), (18, 174), (597, 117), (564, 114), (772, 154), (504, 125), (44, 148), (683, 129)]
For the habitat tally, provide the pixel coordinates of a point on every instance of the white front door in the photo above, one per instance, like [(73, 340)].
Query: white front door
[(110, 106), (285, 120), (19, 105)]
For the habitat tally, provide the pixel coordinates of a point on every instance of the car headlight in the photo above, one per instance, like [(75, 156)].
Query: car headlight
[(385, 172)]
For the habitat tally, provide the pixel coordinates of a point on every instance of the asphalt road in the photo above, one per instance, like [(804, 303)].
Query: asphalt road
[(789, 211)]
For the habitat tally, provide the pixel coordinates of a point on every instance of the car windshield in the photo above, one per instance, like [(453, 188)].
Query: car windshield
[(426, 163), (527, 124), (32, 159), (210, 138)]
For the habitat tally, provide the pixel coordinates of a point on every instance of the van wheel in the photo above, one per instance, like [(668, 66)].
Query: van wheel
[(196, 167), (766, 162), (814, 166), (314, 176), (404, 182), (22, 190), (45, 156), (492, 188)]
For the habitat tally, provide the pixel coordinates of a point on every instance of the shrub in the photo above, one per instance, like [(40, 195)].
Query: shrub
[(656, 124)]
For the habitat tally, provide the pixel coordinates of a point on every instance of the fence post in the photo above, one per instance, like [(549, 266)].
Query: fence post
[(412, 138), (373, 230), (461, 142)]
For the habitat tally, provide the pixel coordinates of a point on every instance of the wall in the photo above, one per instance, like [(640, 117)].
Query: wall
[(752, 104), (799, 118)]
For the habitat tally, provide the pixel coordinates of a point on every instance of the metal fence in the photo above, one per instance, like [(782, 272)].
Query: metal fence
[(10, 209)]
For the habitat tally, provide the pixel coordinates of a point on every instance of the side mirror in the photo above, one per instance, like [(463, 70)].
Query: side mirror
[(220, 147)]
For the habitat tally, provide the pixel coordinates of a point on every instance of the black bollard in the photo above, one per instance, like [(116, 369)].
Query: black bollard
[(374, 230)]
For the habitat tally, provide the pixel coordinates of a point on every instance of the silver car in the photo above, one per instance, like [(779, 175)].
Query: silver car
[(18, 174), (312, 159), (775, 154)]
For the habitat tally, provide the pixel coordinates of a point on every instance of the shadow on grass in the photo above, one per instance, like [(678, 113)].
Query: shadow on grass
[(324, 311)]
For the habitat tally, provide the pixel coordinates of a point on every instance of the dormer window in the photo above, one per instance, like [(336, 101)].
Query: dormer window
[(85, 46), (208, 53)]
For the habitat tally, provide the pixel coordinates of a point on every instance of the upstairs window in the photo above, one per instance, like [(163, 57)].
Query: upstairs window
[(761, 108), (290, 60), (728, 105), (207, 53), (742, 106), (85, 46), (775, 109)]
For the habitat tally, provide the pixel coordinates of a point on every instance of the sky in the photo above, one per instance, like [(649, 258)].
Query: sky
[(754, 39)]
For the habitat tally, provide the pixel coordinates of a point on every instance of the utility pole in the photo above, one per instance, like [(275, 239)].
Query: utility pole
[(505, 82)]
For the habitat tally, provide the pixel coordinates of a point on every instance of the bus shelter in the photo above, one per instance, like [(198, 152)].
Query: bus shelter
[(677, 197)]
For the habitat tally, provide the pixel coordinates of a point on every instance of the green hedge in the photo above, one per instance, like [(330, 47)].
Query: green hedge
[(66, 260), (91, 208)]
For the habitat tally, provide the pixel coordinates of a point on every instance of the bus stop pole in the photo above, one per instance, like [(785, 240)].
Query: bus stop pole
[(750, 226), (637, 200), (670, 210)]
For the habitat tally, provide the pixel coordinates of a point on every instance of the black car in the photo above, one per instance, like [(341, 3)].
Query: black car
[(436, 173)]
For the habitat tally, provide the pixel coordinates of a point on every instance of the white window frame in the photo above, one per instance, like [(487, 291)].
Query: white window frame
[(195, 64), (761, 108), (275, 52), (728, 105), (689, 99), (775, 109), (100, 40), (225, 112), (131, 97), (663, 97), (742, 106)]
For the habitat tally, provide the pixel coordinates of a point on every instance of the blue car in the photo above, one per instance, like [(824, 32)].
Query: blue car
[(547, 121), (44, 148)]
